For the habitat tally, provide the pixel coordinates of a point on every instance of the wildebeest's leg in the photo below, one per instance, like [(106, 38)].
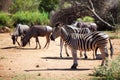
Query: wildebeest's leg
[(47, 41), (17, 41), (37, 41), (75, 63), (29, 42), (104, 53)]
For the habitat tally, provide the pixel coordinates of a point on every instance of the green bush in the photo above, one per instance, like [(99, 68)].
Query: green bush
[(110, 72), (88, 19), (30, 17), (5, 19), (44, 18), (24, 5), (48, 5)]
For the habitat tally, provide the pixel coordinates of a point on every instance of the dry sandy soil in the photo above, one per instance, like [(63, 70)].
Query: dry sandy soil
[(43, 64)]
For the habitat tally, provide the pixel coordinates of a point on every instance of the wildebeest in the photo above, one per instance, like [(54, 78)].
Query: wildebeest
[(20, 30), (36, 31)]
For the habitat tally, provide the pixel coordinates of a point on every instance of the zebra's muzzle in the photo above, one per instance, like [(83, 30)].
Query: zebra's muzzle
[(52, 38)]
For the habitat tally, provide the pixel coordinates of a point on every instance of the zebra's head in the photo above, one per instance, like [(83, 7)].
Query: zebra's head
[(56, 32)]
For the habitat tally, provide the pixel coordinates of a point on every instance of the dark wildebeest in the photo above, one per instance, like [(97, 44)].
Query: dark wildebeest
[(35, 31), (20, 30)]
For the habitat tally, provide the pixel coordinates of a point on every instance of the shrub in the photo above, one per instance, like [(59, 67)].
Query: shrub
[(110, 72), (24, 5), (44, 18), (20, 17), (48, 5), (31, 17), (5, 19), (88, 19)]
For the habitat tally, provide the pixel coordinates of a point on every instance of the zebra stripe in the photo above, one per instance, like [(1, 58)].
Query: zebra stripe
[(86, 42), (74, 29)]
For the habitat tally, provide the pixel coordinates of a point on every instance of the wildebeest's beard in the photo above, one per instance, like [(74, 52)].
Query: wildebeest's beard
[(24, 42), (13, 39)]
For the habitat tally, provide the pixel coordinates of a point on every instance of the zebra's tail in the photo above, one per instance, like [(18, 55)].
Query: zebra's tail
[(111, 48)]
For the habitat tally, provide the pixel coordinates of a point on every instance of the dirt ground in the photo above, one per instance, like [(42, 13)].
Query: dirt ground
[(43, 64)]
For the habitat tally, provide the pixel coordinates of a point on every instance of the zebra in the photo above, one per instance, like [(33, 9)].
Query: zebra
[(84, 42), (74, 29), (92, 26)]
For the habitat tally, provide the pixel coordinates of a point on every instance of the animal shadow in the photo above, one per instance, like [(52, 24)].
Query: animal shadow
[(10, 47), (59, 69)]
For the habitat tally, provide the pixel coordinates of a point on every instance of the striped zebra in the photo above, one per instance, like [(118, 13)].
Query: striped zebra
[(92, 26), (74, 29), (83, 42)]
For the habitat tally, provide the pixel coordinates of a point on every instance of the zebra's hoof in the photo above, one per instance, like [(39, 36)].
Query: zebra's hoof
[(86, 57), (61, 56), (67, 55), (74, 66)]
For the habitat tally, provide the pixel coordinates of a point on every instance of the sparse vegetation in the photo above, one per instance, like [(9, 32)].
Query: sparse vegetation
[(110, 72), (29, 77), (2, 57)]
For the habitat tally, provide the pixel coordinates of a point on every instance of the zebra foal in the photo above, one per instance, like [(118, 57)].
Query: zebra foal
[(83, 43)]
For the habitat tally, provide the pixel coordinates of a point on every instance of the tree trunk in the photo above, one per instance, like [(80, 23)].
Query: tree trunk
[(4, 5)]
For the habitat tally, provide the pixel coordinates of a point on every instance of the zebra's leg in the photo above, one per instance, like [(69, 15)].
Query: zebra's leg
[(66, 50), (104, 53), (61, 46), (85, 55), (81, 54), (95, 53), (75, 63)]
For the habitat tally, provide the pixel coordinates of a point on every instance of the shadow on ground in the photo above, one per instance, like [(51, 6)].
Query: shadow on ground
[(58, 69)]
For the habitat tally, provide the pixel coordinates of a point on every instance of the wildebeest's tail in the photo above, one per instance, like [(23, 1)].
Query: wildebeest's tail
[(111, 48)]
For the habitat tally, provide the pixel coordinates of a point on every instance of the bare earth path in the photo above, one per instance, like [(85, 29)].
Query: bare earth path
[(43, 64)]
